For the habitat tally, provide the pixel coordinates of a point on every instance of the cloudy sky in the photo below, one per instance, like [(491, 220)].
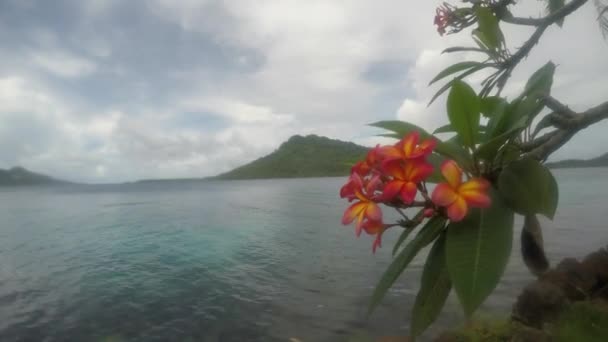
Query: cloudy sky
[(105, 91)]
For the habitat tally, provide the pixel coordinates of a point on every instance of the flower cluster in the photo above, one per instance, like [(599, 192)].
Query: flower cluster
[(454, 18), (395, 176)]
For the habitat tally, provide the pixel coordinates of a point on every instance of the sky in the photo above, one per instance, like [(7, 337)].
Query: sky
[(110, 91)]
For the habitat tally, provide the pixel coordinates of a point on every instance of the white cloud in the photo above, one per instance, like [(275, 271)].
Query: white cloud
[(62, 63)]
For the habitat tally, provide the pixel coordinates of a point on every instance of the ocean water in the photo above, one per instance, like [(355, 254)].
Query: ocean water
[(262, 260)]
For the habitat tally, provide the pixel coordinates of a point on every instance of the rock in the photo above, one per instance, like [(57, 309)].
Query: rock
[(596, 264), (573, 278), (539, 302)]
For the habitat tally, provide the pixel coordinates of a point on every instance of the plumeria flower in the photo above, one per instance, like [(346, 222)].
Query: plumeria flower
[(457, 196), (405, 178), (365, 209), (375, 228), (442, 15), (408, 148), (357, 184), (372, 161)]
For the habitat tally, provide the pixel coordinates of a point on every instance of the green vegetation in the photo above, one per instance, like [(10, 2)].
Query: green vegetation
[(575, 163), (581, 322), (18, 176), (309, 156)]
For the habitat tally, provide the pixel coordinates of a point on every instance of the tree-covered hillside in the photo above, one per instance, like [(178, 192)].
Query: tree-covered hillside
[(19, 176), (575, 163), (309, 156)]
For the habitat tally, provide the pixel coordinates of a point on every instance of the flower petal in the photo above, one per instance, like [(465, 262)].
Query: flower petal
[(452, 173), (417, 170), (391, 189), (377, 242), (408, 144), (408, 192), (373, 227), (393, 168), (475, 193), (389, 153), (352, 212), (426, 147), (457, 210), (373, 212), (443, 195), (474, 184)]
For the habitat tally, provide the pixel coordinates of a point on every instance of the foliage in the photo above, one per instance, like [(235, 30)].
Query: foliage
[(466, 190), (17, 176), (310, 156)]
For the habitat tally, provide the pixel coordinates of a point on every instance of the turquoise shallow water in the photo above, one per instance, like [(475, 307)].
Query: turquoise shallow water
[(225, 261)]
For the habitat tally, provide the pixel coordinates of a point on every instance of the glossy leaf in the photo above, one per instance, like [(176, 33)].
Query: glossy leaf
[(463, 49), (539, 84), (532, 246), (444, 129), (406, 232), (489, 149), (452, 69), (426, 235), (492, 105), (529, 188), (463, 112), (477, 252), (457, 78), (488, 30), (435, 287)]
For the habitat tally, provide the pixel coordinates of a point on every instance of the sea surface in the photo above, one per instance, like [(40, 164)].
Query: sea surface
[(263, 260)]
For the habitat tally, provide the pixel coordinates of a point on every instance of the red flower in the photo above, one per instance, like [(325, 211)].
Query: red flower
[(405, 178), (375, 228), (365, 209), (457, 196), (371, 162), (408, 148), (443, 15)]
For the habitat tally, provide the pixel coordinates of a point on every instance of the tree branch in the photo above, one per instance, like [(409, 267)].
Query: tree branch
[(548, 20), (543, 146)]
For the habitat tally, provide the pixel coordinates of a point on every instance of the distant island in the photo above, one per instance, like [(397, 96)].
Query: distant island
[(298, 157), (601, 161), (19, 176), (302, 156)]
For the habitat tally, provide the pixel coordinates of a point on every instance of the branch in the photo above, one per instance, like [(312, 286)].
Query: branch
[(543, 146), (548, 20)]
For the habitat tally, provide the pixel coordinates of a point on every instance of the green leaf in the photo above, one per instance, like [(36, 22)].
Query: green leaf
[(454, 151), (463, 49), (435, 287), (532, 246), (539, 84), (492, 105), (401, 128), (555, 5), (529, 188), (436, 160), (477, 252), (488, 30), (406, 232), (449, 84), (463, 112), (489, 149), (444, 129), (425, 236), (452, 69)]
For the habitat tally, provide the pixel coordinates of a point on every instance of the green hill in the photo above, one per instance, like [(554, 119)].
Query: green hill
[(309, 156), (576, 163), (18, 176)]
